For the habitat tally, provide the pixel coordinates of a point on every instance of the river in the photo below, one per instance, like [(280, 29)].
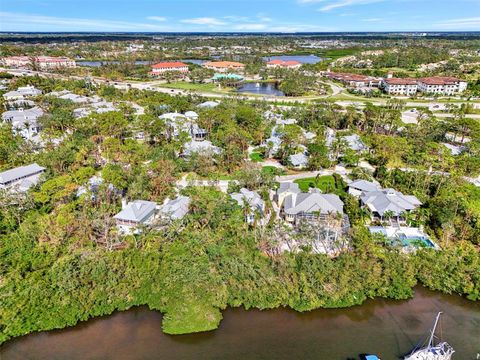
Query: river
[(385, 327)]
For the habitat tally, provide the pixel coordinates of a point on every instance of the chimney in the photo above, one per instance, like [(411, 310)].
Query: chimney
[(124, 203), (389, 75)]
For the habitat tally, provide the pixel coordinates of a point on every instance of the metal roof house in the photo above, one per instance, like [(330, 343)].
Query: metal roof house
[(21, 178), (13, 95), (355, 143), (135, 213), (296, 206), (197, 133), (29, 90), (358, 187), (24, 122), (192, 115), (208, 104), (176, 209), (252, 200), (299, 160), (204, 147), (22, 92), (389, 201)]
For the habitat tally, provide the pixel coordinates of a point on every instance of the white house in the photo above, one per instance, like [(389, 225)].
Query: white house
[(24, 121), (29, 90), (21, 178), (135, 214), (299, 160), (355, 143), (296, 206), (175, 209), (359, 187), (204, 147), (252, 201), (381, 202)]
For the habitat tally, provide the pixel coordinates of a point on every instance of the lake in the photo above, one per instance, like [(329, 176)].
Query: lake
[(385, 327), (304, 59), (260, 88), (100, 63)]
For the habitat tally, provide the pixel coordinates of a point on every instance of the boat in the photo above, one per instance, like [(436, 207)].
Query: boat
[(434, 350), (372, 357)]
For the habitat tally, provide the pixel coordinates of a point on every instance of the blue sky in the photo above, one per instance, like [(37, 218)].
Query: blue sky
[(240, 15)]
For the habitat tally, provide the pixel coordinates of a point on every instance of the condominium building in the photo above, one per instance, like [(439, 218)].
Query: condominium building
[(444, 85), (398, 86), (277, 63), (42, 62), (165, 67)]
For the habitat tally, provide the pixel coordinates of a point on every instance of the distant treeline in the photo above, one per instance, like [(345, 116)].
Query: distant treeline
[(36, 37)]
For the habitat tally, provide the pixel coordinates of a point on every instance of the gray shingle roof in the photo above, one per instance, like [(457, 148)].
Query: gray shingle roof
[(313, 202), (250, 198), (20, 117), (290, 187), (138, 211), (364, 185), (355, 143), (208, 104), (202, 147), (299, 159), (385, 200), (20, 172), (176, 208)]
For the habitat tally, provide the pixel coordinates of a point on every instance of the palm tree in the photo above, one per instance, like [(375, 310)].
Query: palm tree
[(387, 215)]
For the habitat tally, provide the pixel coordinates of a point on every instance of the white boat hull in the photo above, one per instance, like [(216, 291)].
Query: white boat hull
[(442, 351)]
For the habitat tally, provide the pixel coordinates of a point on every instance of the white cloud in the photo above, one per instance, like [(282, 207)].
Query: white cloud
[(459, 24), (31, 22), (372, 19), (335, 4), (209, 21), (157, 18), (345, 3), (250, 27)]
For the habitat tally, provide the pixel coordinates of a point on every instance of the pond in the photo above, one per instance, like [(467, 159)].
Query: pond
[(100, 63), (261, 88), (304, 59), (385, 327)]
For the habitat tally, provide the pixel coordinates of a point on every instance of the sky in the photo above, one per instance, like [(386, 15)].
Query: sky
[(239, 15)]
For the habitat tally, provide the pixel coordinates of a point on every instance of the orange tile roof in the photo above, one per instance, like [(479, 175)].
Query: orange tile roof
[(400, 81), (224, 64), (174, 64), (439, 80), (284, 63)]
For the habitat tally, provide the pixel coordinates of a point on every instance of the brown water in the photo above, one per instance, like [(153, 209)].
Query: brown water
[(387, 328)]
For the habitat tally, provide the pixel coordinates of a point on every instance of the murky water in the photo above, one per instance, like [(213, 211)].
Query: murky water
[(260, 88), (304, 59), (384, 327)]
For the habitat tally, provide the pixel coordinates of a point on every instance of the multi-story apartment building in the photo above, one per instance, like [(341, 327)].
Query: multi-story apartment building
[(164, 67), (443, 85), (40, 62), (398, 86)]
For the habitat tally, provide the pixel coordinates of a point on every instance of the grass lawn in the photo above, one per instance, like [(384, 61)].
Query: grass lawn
[(325, 183), (182, 85), (272, 170), (256, 157)]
